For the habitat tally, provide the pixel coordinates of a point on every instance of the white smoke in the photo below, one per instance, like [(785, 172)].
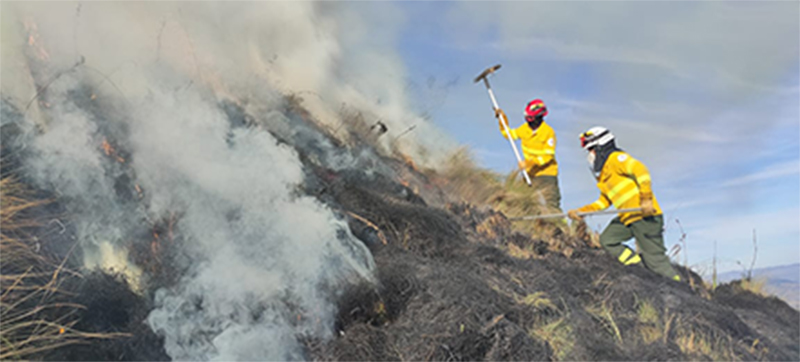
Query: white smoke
[(334, 54), (258, 248), (261, 260), (260, 256)]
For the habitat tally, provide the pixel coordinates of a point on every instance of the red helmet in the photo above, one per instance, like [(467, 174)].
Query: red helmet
[(535, 108)]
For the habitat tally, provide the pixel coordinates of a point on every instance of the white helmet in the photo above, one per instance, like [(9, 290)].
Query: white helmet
[(595, 136)]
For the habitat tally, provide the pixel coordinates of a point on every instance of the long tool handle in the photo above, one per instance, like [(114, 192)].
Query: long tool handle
[(587, 213), (508, 132)]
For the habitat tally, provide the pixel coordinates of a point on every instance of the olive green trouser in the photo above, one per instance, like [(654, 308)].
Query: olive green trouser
[(649, 238), (545, 189)]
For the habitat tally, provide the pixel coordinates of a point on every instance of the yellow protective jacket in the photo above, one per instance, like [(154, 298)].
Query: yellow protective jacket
[(622, 182), (538, 147)]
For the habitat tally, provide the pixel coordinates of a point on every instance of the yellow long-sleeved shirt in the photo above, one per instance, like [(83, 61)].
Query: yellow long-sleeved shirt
[(622, 182), (538, 148)]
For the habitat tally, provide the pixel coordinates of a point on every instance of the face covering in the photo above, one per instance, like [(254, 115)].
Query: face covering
[(534, 123), (591, 159)]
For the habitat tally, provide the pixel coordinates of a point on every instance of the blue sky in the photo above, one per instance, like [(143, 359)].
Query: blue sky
[(704, 93)]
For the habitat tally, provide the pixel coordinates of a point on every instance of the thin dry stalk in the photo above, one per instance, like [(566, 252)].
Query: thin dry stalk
[(36, 314)]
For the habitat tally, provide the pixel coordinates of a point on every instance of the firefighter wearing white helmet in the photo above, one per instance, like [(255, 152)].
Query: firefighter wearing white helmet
[(625, 183)]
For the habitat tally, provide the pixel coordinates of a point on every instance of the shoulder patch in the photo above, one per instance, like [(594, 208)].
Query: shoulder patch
[(622, 157), (551, 142)]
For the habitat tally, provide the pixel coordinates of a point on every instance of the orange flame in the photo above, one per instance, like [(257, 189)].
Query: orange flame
[(107, 147), (33, 36), (111, 152), (409, 162)]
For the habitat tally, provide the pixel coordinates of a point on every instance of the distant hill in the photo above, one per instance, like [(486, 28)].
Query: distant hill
[(782, 281)]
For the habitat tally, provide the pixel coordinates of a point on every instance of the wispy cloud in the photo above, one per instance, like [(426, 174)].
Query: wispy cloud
[(779, 170), (581, 51), (681, 202), (707, 40)]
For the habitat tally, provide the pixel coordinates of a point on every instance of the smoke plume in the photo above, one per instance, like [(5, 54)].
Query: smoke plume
[(127, 100)]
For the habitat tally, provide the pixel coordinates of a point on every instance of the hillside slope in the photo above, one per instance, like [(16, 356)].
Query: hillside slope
[(452, 281), (781, 281), (449, 290)]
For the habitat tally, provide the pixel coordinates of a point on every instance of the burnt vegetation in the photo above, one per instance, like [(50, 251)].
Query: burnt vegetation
[(453, 279)]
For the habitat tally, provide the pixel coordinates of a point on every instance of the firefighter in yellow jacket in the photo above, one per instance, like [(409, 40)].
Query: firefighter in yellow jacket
[(625, 183), (539, 152)]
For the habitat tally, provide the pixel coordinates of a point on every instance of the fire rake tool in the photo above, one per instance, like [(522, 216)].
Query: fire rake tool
[(564, 214), (484, 76)]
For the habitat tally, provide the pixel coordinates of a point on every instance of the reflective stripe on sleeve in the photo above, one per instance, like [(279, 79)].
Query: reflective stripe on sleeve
[(599, 204)]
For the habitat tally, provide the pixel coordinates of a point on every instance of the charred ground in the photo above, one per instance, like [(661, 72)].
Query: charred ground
[(450, 290), (454, 281)]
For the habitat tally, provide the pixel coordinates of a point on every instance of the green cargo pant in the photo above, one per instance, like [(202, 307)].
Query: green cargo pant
[(649, 238), (545, 190)]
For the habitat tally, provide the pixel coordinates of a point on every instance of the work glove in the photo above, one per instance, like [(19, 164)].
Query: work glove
[(573, 214), (646, 203), (523, 165), (501, 116)]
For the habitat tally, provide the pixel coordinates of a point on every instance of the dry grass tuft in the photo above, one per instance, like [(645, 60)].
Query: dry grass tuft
[(604, 313), (558, 334), (695, 342), (650, 326), (35, 313), (508, 194), (526, 252), (461, 176), (552, 327), (755, 286), (538, 300)]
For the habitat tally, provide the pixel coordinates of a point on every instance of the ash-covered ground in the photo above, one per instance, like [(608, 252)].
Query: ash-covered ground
[(438, 283)]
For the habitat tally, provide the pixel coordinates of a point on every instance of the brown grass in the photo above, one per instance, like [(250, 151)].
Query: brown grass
[(35, 312), (558, 334), (603, 312), (461, 176), (755, 286), (695, 342), (649, 322), (508, 194)]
